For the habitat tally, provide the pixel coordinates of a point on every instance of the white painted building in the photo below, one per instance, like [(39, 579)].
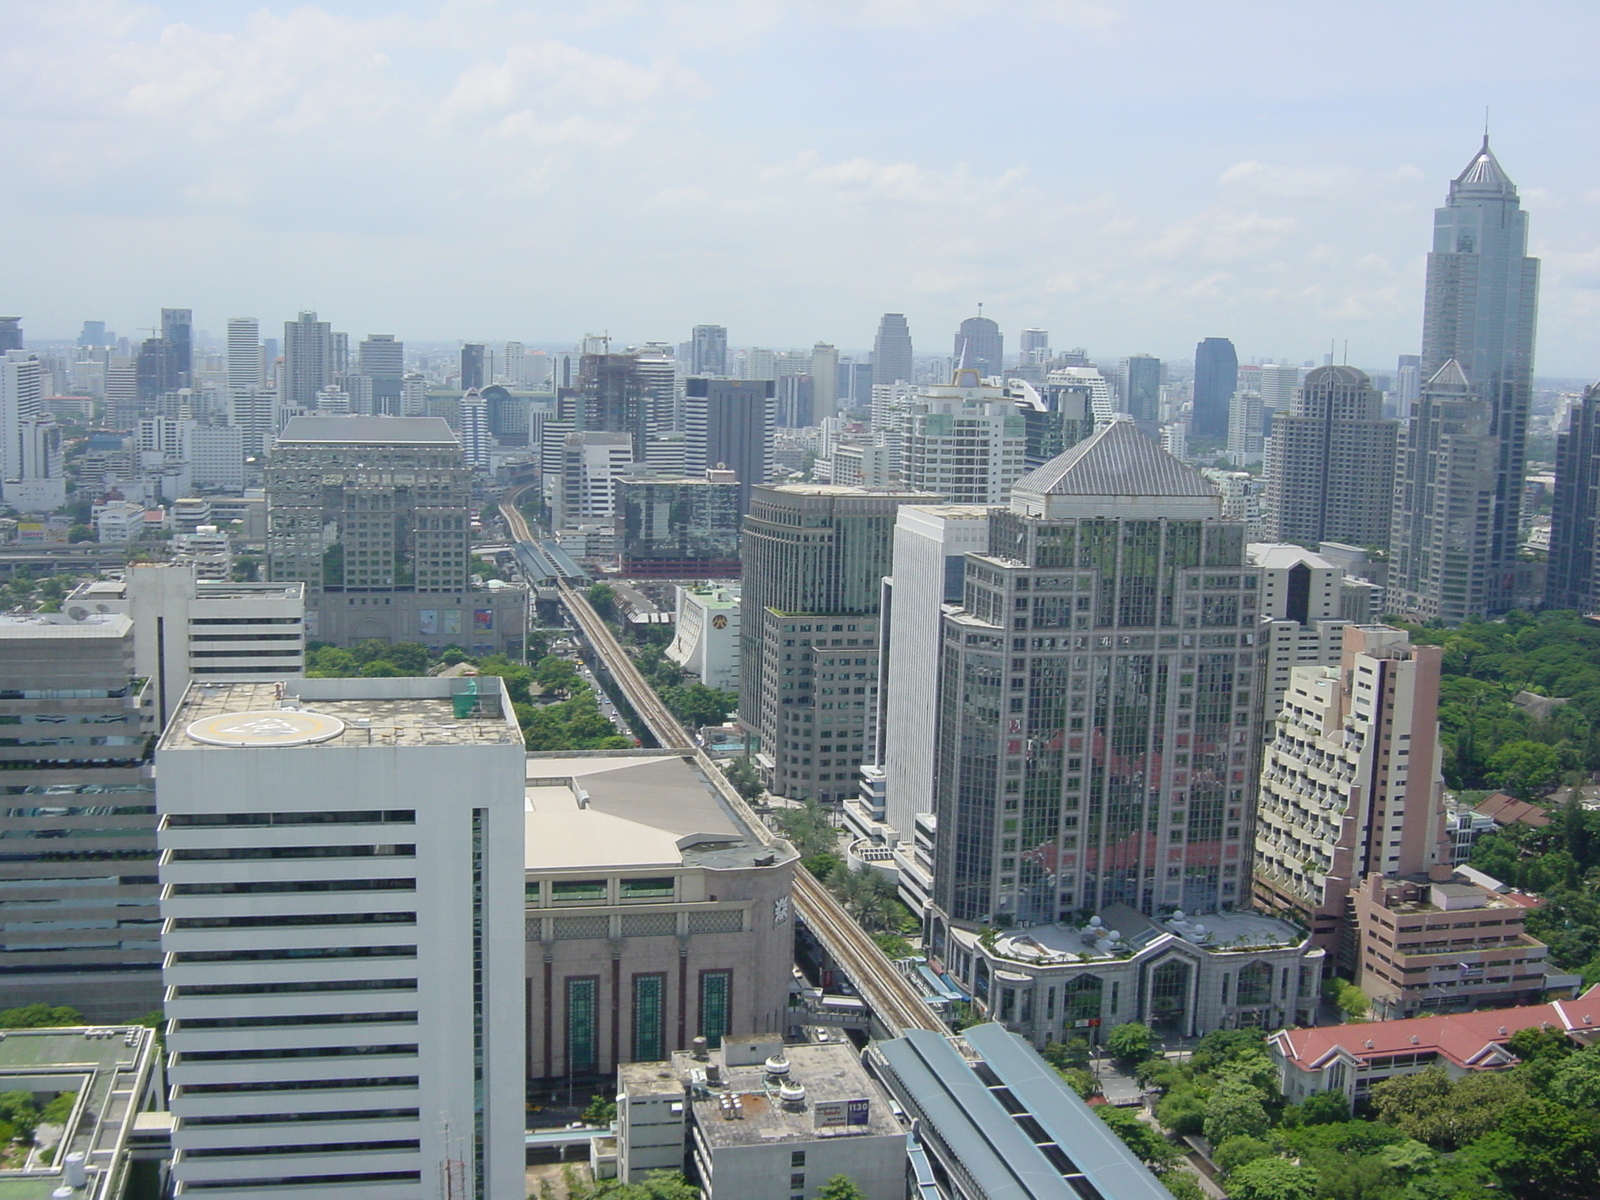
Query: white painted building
[(188, 628), (707, 640), (342, 880)]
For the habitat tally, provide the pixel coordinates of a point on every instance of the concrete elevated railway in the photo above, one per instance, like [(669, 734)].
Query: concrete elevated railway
[(896, 1003)]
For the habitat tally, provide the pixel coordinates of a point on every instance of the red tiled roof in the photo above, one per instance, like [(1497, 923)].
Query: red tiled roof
[(1463, 1038), (1505, 810)]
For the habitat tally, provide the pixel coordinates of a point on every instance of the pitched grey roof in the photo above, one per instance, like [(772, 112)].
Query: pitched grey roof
[(1117, 461), (1449, 376)]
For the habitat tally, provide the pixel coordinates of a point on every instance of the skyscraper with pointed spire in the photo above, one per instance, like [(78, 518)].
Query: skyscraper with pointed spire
[(1479, 312)]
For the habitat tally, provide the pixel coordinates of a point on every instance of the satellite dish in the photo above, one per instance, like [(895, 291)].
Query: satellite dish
[(77, 612)]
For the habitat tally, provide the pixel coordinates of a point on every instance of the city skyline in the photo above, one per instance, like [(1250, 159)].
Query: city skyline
[(736, 149)]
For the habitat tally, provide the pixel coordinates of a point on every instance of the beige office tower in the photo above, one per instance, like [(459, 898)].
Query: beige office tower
[(814, 560), (1350, 784)]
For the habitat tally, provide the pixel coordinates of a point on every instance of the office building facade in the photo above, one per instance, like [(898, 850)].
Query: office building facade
[(79, 822), (964, 441), (344, 941), (891, 352), (1330, 463), (814, 559), (678, 528), (981, 346), (1216, 378), (1571, 581), (308, 361), (730, 425), (708, 354)]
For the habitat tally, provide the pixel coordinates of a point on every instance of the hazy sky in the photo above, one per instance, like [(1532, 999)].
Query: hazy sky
[(1131, 176)]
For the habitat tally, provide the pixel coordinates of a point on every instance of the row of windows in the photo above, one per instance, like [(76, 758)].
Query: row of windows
[(358, 1018), (200, 1056), (238, 820), (297, 952), (399, 850), (279, 886)]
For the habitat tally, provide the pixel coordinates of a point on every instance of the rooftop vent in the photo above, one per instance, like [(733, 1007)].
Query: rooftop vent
[(777, 1065), (792, 1095)]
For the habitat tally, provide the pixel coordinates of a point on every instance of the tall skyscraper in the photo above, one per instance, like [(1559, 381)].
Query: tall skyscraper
[(612, 397), (10, 334), (1480, 310), (1035, 347), (824, 381), (1572, 580), (1330, 463), (474, 366), (1407, 384), (980, 344), (730, 424), (1065, 714), (1141, 392), (1350, 783), (474, 430), (308, 356), (708, 353), (93, 334), (343, 896), (382, 358), (177, 330), (814, 560), (891, 352), (244, 354), (1446, 490), (1216, 378)]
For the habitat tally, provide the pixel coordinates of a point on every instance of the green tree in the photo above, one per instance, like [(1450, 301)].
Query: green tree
[(1538, 1042), (696, 704), (602, 598), (39, 1016), (555, 674), (1130, 1043), (742, 774), (1429, 1107), (1238, 1150), (80, 533), (1080, 1081), (808, 827), (18, 1110), (1183, 1112), (1072, 1052), (841, 1187), (1527, 770), (1323, 1108), (602, 1110), (59, 1109), (1541, 1150), (1235, 1112), (1273, 1179), (1182, 1184), (1143, 1139), (1576, 1081)]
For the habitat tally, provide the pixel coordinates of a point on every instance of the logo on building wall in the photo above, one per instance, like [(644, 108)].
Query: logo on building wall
[(719, 622)]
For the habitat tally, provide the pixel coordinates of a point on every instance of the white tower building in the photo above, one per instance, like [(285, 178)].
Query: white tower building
[(342, 872)]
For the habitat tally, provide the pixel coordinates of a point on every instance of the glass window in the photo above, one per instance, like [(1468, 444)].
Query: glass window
[(715, 989), (660, 888), (582, 1035), (649, 992), (578, 890)]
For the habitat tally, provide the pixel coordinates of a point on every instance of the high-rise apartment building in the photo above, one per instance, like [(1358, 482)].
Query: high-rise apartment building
[(1330, 463), (1244, 427), (473, 429), (79, 820), (308, 361), (1572, 580), (1277, 383), (1216, 378), (1350, 783), (1407, 384), (381, 358), (21, 401), (10, 334), (244, 355), (1446, 488), (1141, 392), (1479, 311), (730, 424), (343, 881), (980, 345), (1306, 602), (814, 560), (612, 397), (891, 352), (708, 352), (964, 441)]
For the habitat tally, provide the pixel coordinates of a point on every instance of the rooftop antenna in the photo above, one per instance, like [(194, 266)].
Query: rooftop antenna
[(1347, 352), (980, 308), (1485, 124)]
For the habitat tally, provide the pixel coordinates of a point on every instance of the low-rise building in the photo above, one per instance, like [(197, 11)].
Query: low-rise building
[(655, 914), (762, 1119), (1444, 945), (1351, 1058), (1182, 977), (707, 640), (119, 521), (1002, 1123), (116, 1118)]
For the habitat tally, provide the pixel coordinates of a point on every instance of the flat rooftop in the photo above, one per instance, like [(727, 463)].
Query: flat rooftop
[(830, 1074), (1220, 931), (339, 713), (109, 1068), (51, 625), (631, 809), (369, 431)]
